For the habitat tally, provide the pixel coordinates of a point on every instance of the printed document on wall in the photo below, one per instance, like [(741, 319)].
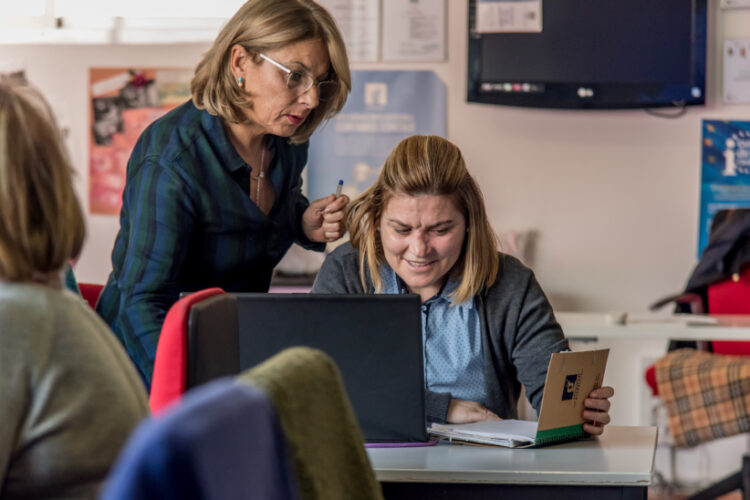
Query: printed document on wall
[(383, 108), (725, 171), (508, 16), (414, 30), (359, 22), (736, 71)]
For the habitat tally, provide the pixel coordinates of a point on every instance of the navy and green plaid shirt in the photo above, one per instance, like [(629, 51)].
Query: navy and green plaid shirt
[(187, 223)]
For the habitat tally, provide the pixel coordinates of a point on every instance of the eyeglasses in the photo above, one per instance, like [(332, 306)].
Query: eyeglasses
[(299, 82)]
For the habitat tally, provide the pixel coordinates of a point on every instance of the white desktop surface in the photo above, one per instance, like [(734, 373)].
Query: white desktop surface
[(622, 456), (602, 326)]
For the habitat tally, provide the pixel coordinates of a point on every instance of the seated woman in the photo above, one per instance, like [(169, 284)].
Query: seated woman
[(69, 395), (487, 326)]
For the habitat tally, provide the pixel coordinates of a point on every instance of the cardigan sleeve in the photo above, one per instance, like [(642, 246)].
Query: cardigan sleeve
[(537, 336), (339, 272)]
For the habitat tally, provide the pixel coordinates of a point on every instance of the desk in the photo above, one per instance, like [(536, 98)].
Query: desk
[(593, 326), (617, 465)]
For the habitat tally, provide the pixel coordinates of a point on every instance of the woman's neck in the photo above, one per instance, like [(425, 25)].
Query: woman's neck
[(52, 279), (247, 140), (425, 293)]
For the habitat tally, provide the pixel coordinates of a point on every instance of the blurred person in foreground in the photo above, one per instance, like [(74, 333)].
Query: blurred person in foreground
[(69, 395)]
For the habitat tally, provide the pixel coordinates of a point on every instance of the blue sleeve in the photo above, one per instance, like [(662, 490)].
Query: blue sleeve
[(160, 218), (299, 154)]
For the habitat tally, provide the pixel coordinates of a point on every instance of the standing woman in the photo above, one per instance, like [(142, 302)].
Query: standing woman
[(69, 395), (213, 192), (487, 326)]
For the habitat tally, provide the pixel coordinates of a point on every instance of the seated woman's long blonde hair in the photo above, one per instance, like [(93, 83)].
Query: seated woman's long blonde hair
[(41, 224), (426, 165)]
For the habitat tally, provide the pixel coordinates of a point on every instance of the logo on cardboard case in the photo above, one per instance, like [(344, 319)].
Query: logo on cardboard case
[(570, 388)]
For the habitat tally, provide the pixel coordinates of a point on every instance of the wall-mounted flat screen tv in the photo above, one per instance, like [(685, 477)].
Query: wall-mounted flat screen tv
[(587, 54)]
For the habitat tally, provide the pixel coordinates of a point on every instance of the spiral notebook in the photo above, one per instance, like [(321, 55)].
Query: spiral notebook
[(571, 376)]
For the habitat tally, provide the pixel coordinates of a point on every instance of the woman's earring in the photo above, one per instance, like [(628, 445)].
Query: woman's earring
[(240, 82)]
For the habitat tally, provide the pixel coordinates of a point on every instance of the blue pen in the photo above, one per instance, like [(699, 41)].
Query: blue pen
[(338, 188)]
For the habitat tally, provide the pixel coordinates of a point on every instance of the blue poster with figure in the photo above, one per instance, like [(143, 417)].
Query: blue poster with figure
[(725, 171), (383, 108)]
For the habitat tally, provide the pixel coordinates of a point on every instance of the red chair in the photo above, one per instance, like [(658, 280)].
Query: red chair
[(199, 341), (90, 292), (731, 296)]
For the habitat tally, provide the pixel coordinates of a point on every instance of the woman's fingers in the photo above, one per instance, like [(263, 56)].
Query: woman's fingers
[(594, 430), (462, 412), (597, 404)]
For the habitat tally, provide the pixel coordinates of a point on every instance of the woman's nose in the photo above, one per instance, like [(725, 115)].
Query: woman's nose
[(311, 97), (419, 245)]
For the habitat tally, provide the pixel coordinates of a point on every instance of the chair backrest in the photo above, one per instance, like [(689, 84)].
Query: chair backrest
[(731, 297), (170, 378), (90, 292), (223, 440), (213, 339), (324, 439)]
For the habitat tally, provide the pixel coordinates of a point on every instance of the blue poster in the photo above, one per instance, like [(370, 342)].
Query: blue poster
[(725, 171), (383, 108)]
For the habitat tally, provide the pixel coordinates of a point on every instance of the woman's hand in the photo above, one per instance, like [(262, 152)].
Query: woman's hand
[(596, 410), (464, 412), (324, 219)]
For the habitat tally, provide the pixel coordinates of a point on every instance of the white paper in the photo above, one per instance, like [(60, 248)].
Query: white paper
[(504, 16), (359, 23), (497, 432), (414, 30), (736, 71)]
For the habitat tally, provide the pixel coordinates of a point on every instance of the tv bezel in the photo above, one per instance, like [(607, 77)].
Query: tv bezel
[(590, 95)]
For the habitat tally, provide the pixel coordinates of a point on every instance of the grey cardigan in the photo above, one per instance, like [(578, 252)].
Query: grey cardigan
[(519, 330)]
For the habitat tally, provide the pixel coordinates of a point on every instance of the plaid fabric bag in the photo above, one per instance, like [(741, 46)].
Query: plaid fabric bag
[(707, 395)]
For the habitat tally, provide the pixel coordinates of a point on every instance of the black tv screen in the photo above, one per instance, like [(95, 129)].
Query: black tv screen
[(591, 54)]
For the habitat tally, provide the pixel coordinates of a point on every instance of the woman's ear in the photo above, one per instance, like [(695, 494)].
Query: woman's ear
[(238, 60)]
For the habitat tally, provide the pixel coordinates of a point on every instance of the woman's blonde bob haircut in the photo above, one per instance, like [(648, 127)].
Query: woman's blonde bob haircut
[(426, 165), (41, 224), (260, 26)]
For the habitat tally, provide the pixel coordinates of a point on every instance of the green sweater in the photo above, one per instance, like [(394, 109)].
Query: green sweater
[(69, 395), (320, 428)]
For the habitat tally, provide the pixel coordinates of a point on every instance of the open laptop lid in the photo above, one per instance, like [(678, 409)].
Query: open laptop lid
[(376, 341)]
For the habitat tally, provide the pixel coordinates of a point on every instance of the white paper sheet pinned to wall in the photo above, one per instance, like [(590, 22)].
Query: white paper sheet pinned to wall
[(508, 16), (736, 71), (359, 22), (414, 30)]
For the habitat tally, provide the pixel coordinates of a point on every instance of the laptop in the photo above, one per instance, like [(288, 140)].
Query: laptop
[(376, 341)]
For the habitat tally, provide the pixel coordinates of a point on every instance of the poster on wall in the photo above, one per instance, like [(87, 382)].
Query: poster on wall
[(124, 101), (383, 108), (725, 171)]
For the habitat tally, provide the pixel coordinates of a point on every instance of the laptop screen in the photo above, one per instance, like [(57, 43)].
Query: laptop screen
[(376, 341)]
